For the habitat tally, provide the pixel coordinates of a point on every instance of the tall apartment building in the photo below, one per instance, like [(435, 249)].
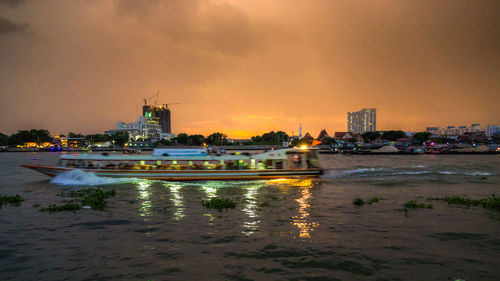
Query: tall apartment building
[(362, 121)]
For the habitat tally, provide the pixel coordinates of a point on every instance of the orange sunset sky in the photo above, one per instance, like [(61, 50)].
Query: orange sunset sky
[(248, 67)]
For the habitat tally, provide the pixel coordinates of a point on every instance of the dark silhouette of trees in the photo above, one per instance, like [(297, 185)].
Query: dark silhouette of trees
[(422, 137), (217, 138), (75, 135), (120, 138), (393, 135), (271, 138), (370, 136), (24, 136)]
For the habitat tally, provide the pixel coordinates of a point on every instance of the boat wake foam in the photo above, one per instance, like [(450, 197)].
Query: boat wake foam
[(79, 177), (402, 171)]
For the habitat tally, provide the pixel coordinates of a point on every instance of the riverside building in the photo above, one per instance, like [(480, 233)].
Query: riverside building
[(144, 128), (360, 122), (493, 130), (455, 131), (155, 123)]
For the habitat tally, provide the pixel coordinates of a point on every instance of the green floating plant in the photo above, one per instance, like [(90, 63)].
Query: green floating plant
[(491, 202), (412, 204), (15, 200), (94, 198), (218, 203), (67, 207), (360, 202)]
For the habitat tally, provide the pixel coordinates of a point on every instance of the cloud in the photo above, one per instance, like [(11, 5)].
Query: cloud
[(11, 3), (205, 25), (7, 26), (251, 66)]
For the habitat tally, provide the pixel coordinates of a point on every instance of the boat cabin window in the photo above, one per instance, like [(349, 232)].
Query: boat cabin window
[(91, 165), (312, 159), (125, 164), (70, 163), (302, 159)]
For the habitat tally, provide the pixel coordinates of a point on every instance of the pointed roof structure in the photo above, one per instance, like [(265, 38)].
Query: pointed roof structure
[(346, 136), (308, 137), (323, 134)]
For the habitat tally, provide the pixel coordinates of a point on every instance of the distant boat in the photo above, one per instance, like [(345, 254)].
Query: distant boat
[(191, 164)]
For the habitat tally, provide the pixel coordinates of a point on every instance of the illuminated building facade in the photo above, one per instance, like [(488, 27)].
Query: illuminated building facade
[(155, 123), (362, 121), (144, 128), (159, 114)]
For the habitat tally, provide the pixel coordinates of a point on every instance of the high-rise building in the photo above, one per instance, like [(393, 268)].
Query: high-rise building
[(362, 121), (161, 115)]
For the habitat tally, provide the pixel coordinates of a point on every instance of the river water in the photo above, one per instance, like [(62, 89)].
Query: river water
[(280, 229)]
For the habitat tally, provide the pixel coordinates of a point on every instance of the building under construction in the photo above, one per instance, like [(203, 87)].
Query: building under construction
[(160, 115), (155, 122)]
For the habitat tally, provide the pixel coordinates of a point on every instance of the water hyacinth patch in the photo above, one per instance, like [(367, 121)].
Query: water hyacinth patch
[(360, 202), (95, 198), (67, 207), (218, 203), (15, 200), (412, 204), (491, 202)]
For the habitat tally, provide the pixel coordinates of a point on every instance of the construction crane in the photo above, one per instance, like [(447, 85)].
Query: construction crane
[(167, 104), (155, 96)]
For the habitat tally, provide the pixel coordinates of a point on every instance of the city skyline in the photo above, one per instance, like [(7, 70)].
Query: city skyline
[(248, 67)]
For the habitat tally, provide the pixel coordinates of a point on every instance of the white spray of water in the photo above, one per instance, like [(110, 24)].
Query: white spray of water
[(478, 174), (79, 177), (382, 172)]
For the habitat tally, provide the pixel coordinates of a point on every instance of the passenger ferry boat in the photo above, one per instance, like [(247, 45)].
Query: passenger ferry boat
[(191, 164)]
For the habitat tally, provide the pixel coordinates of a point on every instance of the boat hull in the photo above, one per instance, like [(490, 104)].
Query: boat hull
[(184, 175)]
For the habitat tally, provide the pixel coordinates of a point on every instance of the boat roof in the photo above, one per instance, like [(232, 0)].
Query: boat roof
[(268, 155)]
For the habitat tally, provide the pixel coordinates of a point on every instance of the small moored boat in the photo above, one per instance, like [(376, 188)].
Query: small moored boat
[(191, 164)]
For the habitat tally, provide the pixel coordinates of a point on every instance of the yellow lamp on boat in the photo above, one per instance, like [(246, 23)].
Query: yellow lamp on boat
[(303, 147)]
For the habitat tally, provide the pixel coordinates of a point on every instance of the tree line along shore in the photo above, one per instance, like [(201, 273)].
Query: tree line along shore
[(387, 142)]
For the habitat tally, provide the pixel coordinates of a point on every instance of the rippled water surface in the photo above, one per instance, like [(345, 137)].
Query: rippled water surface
[(280, 229)]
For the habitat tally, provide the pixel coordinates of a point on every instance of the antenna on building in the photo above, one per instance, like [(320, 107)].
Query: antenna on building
[(300, 131)]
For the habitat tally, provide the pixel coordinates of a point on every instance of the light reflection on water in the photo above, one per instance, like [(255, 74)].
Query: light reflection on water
[(210, 188), (250, 226), (302, 220), (144, 195), (177, 199)]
